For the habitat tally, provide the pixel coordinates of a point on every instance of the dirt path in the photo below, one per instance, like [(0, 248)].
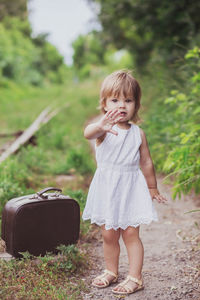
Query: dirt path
[(172, 254)]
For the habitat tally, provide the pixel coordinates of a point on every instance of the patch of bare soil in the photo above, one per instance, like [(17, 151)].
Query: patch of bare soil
[(171, 269)]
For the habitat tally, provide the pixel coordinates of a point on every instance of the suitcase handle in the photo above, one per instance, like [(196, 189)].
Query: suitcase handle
[(40, 193)]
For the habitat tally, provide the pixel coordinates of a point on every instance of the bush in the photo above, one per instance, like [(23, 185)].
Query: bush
[(80, 161), (173, 124), (184, 159), (14, 180)]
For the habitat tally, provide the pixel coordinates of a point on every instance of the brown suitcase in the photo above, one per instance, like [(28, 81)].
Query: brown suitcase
[(40, 222)]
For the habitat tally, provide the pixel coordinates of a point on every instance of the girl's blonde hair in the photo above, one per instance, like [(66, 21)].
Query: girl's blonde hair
[(121, 82)]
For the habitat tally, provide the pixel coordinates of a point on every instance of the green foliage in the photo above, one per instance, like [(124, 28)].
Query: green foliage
[(17, 55), (23, 60), (33, 168), (60, 144), (13, 8), (48, 277), (17, 24), (117, 59), (85, 71), (50, 63), (176, 145), (88, 50), (141, 26), (13, 183), (73, 260), (80, 161), (34, 159)]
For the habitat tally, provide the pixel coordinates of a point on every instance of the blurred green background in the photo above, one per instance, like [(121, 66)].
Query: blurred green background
[(159, 42)]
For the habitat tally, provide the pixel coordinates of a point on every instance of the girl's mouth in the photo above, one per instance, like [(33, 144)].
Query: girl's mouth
[(123, 114)]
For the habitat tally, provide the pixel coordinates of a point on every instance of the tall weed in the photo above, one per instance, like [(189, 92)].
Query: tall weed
[(173, 127)]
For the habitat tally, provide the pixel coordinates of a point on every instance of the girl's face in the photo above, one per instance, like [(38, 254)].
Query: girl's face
[(125, 105)]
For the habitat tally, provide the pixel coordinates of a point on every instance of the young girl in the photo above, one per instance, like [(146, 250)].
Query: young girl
[(124, 185)]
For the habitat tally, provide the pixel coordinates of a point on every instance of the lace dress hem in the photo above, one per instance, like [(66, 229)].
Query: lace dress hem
[(140, 221)]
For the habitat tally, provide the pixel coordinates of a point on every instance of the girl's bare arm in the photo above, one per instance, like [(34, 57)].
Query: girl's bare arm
[(146, 162), (148, 170), (93, 131)]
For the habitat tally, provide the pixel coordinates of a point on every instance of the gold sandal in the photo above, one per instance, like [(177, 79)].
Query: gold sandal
[(105, 281), (127, 289)]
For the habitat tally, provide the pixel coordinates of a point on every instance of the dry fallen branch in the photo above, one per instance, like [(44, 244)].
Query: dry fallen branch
[(43, 118)]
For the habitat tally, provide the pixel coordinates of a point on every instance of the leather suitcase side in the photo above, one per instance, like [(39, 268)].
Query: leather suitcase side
[(38, 223), (6, 214)]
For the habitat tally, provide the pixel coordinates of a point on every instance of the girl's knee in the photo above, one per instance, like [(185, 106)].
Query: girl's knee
[(130, 233), (110, 236)]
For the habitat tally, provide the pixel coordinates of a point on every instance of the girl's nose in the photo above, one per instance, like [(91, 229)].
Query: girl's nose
[(121, 104)]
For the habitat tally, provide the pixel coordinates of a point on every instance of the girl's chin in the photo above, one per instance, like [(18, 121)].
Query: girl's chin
[(123, 121), (125, 118)]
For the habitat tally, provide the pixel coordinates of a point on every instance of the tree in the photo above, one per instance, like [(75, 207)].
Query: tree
[(13, 8), (143, 25), (88, 49)]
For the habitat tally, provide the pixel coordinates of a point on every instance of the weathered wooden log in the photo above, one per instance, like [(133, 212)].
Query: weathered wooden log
[(43, 118)]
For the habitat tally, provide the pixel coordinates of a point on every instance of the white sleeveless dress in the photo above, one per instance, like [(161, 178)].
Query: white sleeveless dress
[(118, 195)]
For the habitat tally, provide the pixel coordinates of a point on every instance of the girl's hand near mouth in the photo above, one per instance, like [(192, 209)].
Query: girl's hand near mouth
[(110, 119)]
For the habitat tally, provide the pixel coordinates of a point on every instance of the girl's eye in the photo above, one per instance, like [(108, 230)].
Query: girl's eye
[(114, 100), (129, 100)]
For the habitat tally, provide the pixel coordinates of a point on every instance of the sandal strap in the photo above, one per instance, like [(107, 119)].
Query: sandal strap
[(124, 282), (123, 285), (138, 281), (103, 279), (110, 273)]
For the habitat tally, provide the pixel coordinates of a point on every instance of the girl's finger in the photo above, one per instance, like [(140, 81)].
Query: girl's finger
[(114, 113), (114, 118), (118, 119), (162, 199), (111, 111), (157, 198), (107, 115)]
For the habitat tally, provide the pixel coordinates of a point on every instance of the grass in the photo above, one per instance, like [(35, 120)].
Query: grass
[(60, 149), (60, 146), (48, 277)]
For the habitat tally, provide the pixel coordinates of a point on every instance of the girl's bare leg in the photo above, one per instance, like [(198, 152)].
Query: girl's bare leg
[(135, 252), (111, 250)]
